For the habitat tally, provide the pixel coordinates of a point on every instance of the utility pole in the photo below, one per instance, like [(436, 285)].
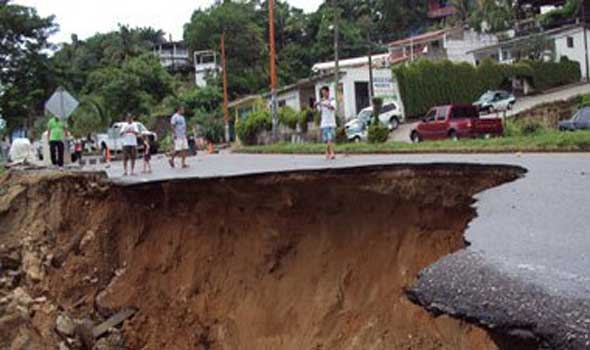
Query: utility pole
[(371, 85), (585, 29), (336, 54), (225, 95), (273, 69)]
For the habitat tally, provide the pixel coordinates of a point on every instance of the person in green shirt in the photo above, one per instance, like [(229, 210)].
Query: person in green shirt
[(57, 130)]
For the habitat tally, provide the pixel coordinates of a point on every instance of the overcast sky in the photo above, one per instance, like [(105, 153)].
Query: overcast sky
[(86, 18)]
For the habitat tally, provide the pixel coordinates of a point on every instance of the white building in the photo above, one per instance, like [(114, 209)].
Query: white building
[(569, 41), (573, 43), (354, 92), (454, 44), (206, 66), (174, 55)]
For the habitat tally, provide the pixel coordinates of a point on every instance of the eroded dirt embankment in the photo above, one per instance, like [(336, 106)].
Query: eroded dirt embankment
[(309, 261)]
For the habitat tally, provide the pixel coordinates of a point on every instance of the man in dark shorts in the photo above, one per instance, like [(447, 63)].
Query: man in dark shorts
[(129, 133)]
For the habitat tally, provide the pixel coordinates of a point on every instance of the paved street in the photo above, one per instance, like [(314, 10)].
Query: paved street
[(562, 94)]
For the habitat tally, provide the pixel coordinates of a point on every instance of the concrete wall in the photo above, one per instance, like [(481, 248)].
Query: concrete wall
[(576, 53), (457, 48), (551, 113), (290, 99)]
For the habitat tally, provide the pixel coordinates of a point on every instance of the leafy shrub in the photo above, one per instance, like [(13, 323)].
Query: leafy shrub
[(166, 144), (559, 15), (547, 75), (307, 115), (530, 127), (583, 101), (378, 133), (209, 125), (248, 128), (288, 117), (523, 127)]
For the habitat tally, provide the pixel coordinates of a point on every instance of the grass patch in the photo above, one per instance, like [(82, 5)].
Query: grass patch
[(541, 141)]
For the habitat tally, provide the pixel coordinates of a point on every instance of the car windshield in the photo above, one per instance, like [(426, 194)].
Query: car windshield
[(487, 96), (582, 115), (365, 115)]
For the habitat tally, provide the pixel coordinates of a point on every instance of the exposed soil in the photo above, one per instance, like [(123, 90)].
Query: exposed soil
[(310, 261)]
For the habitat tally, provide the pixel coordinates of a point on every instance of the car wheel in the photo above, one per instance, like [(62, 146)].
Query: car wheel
[(453, 135), (510, 106), (356, 139), (393, 123), (415, 137)]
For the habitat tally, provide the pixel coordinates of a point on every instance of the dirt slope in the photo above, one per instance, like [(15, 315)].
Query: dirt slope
[(310, 261)]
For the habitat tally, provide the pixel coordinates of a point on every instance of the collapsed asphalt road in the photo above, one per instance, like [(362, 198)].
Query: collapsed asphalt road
[(290, 261), (527, 271)]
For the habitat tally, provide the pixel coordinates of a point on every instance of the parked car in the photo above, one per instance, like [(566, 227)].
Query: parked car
[(390, 116), (493, 101), (455, 122), (113, 138), (580, 121)]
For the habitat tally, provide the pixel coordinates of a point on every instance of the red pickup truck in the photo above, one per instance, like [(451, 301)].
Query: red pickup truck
[(455, 122)]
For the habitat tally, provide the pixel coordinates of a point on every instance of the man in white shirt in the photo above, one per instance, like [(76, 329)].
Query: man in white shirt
[(327, 108), (129, 134), (178, 125)]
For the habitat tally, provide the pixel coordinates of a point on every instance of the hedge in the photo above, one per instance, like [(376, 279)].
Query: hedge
[(424, 84), (256, 122), (248, 128)]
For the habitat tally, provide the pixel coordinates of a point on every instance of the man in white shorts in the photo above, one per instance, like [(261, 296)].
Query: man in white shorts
[(178, 124)]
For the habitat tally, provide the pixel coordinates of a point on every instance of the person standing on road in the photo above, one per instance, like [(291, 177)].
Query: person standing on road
[(57, 131), (148, 150), (129, 133), (178, 124), (327, 108), (5, 148)]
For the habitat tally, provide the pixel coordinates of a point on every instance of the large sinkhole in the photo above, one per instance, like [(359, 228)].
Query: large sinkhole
[(313, 260)]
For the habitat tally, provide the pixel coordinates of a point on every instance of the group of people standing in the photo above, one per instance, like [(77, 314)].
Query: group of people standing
[(130, 135)]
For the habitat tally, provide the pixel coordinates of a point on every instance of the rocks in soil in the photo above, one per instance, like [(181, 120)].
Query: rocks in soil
[(113, 342), (65, 325)]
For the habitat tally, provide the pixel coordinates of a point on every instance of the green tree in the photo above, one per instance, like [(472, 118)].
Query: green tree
[(74, 62), (25, 78), (247, 54), (136, 87)]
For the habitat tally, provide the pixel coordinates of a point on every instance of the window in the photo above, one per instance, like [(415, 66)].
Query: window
[(583, 116), (388, 108), (282, 103), (442, 113), (430, 116), (570, 42)]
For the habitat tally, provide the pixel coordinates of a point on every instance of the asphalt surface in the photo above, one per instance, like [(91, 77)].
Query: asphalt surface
[(527, 270)]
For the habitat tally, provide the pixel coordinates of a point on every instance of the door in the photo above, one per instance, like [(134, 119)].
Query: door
[(440, 124), (427, 127), (361, 95)]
